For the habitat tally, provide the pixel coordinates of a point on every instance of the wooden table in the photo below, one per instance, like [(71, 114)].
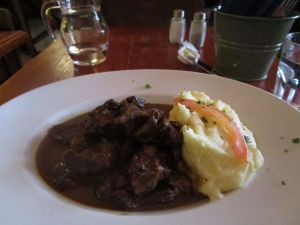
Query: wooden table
[(10, 40), (130, 48)]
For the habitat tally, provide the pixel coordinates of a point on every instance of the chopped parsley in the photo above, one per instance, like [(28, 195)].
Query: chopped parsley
[(247, 139), (296, 140), (204, 120), (204, 103), (283, 182), (147, 86), (189, 108), (286, 150)]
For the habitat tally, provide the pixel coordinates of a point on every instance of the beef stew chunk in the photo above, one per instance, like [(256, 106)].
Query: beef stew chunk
[(127, 153), (145, 171), (91, 161), (63, 178)]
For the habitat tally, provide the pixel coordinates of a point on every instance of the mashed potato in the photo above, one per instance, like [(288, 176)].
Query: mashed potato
[(208, 150)]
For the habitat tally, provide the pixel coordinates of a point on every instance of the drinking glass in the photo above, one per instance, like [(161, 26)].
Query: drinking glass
[(82, 30), (287, 85)]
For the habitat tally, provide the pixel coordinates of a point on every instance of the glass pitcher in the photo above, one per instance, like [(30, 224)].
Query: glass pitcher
[(82, 30)]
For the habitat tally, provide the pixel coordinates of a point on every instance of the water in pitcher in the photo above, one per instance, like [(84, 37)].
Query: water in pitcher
[(88, 53), (287, 85), (85, 36)]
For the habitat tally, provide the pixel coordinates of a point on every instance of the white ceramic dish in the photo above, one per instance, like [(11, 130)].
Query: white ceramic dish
[(26, 199)]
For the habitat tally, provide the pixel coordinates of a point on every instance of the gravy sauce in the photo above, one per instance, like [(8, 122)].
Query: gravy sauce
[(50, 152)]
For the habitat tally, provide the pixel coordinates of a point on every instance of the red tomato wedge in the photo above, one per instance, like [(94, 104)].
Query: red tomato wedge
[(235, 139)]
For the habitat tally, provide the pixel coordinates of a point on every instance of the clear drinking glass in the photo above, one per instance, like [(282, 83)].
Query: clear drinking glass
[(82, 30), (287, 85)]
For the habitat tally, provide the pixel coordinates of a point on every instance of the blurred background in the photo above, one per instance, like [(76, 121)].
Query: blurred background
[(25, 15)]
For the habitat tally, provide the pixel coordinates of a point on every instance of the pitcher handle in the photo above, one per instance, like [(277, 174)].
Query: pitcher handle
[(46, 7)]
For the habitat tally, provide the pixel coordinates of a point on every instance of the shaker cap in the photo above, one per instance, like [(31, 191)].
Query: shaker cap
[(199, 16), (178, 13)]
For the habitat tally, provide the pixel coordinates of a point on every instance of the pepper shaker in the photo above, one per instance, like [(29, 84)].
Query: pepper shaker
[(198, 30), (177, 27)]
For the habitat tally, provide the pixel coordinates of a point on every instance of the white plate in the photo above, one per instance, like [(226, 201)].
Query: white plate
[(26, 199)]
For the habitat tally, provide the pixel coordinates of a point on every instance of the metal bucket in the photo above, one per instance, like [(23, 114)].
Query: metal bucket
[(245, 47)]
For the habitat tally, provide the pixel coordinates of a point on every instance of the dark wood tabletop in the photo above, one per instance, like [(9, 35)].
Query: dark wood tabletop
[(129, 48)]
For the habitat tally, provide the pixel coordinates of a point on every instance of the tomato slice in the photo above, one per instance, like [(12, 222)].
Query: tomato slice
[(235, 139)]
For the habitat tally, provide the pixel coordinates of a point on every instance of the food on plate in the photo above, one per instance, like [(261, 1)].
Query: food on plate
[(129, 155), (219, 150), (122, 156)]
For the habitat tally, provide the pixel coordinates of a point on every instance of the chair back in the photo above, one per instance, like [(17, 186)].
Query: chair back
[(6, 20)]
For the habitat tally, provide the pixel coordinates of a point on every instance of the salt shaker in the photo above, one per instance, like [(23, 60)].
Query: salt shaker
[(177, 27), (198, 30)]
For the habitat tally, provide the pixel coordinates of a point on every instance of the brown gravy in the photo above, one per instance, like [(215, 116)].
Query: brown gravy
[(51, 152)]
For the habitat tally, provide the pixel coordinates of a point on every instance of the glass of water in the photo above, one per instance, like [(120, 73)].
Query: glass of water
[(82, 30), (287, 85)]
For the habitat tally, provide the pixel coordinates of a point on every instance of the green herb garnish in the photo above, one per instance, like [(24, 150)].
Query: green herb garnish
[(247, 139), (204, 120), (296, 140), (283, 183), (147, 86), (286, 150), (189, 108)]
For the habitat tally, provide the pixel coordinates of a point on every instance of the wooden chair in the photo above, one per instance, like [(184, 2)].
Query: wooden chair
[(146, 12), (6, 20), (9, 42)]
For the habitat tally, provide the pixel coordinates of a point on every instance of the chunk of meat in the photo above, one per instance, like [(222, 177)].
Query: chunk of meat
[(149, 133), (134, 100), (170, 133), (63, 178), (93, 160), (145, 171), (105, 114), (180, 183), (125, 199), (101, 121), (109, 183), (162, 196), (110, 107), (80, 143), (117, 119), (126, 149), (130, 118)]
